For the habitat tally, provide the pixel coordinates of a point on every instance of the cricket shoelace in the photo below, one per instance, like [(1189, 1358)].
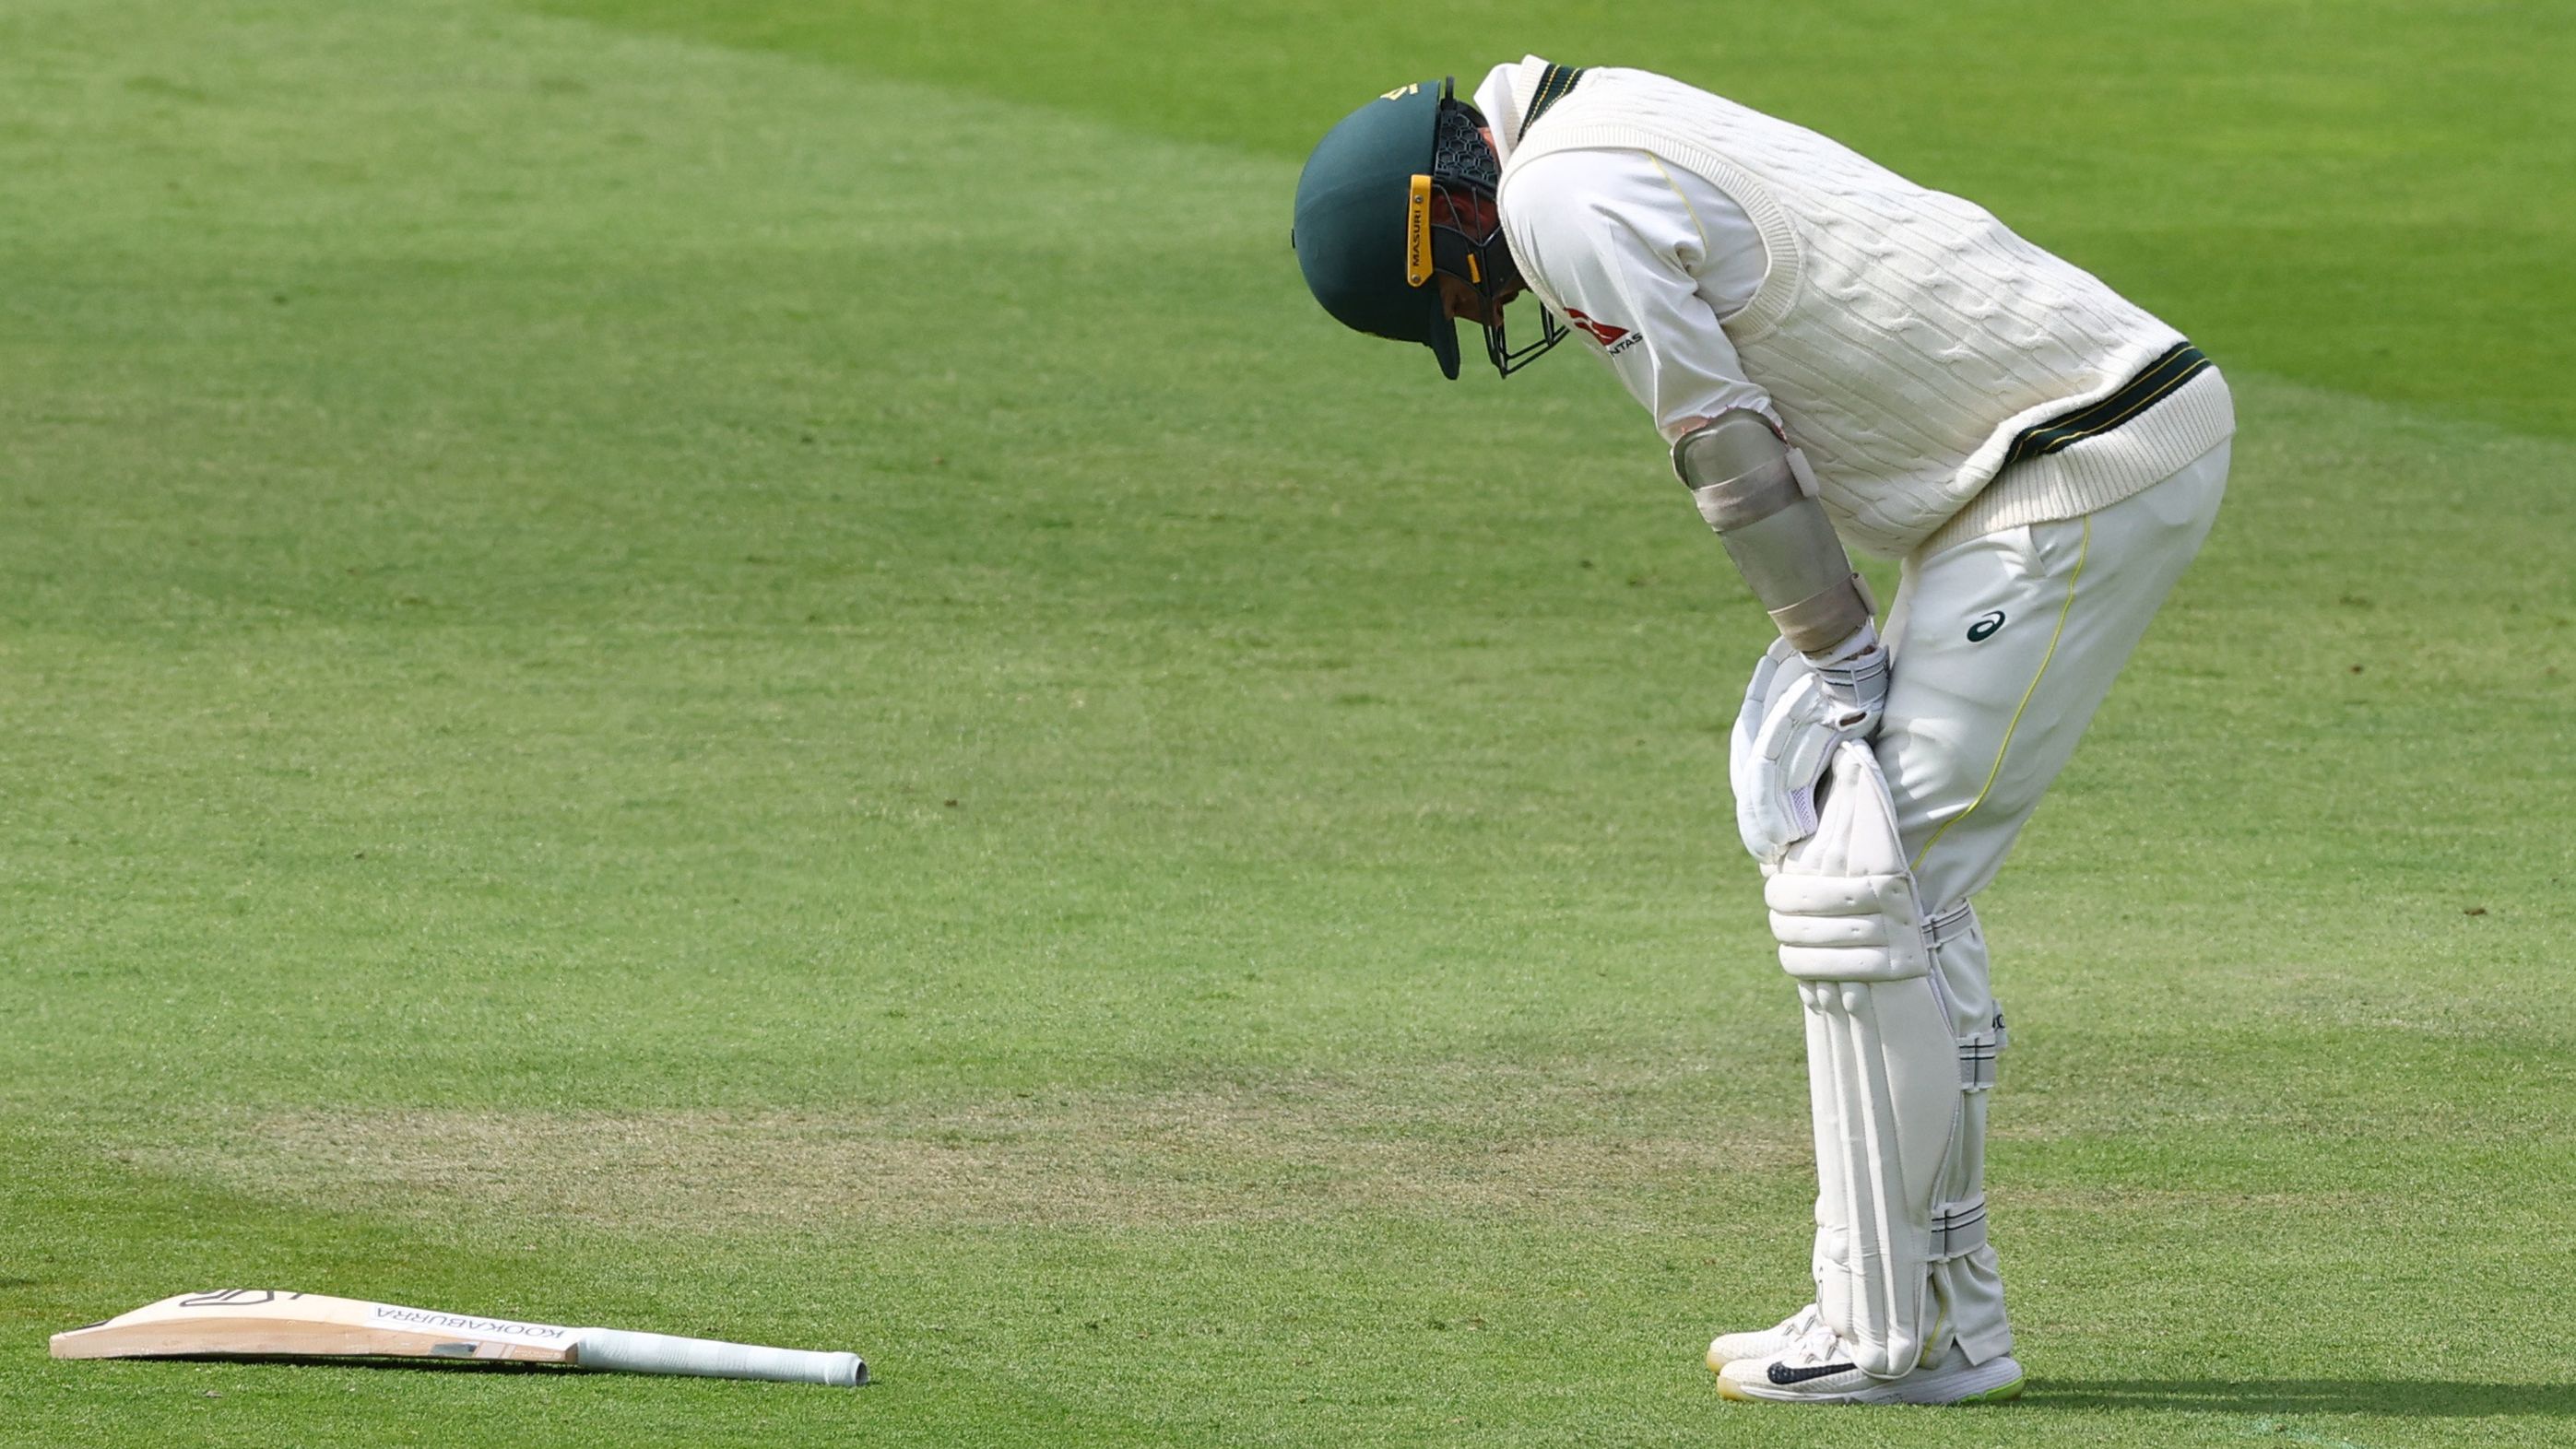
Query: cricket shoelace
[(1803, 1322), (1817, 1343)]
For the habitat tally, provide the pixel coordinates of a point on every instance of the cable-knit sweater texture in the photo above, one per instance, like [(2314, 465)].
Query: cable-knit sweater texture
[(1904, 335)]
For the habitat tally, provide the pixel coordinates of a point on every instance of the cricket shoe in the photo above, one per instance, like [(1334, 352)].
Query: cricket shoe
[(1726, 1348), (1817, 1369)]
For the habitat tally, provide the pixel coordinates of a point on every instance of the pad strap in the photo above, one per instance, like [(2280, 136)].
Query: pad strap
[(1958, 1228), (1949, 925), (1977, 1050), (1978, 1054)]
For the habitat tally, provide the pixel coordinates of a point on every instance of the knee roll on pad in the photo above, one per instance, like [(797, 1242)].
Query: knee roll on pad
[(1857, 927)]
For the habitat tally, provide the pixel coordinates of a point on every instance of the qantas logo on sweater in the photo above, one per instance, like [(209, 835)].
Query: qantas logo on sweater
[(1613, 340)]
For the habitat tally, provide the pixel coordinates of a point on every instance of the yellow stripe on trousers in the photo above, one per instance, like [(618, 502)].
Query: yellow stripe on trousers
[(2083, 550)]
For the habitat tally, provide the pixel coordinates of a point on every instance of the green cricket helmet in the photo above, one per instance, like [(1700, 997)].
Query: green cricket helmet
[(1402, 188)]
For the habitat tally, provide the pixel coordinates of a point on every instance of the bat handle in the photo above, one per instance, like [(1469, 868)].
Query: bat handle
[(619, 1351)]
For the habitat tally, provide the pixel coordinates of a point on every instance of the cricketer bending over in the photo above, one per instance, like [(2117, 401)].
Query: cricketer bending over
[(1835, 355)]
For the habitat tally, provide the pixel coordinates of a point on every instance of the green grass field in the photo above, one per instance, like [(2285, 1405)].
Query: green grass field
[(755, 670)]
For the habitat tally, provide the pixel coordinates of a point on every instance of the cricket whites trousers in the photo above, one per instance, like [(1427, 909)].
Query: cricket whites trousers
[(2003, 646)]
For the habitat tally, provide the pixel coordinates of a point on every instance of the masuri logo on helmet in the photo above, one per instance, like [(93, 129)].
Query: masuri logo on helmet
[(1417, 233)]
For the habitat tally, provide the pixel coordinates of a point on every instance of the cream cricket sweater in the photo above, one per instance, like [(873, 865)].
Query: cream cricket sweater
[(1905, 336)]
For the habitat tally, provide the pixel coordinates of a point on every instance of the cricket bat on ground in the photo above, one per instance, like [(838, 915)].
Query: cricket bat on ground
[(264, 1323)]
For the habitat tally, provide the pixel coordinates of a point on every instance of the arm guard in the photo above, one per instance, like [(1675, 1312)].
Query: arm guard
[(1755, 490)]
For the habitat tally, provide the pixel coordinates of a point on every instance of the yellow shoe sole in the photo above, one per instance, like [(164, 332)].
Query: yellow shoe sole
[(1999, 1394)]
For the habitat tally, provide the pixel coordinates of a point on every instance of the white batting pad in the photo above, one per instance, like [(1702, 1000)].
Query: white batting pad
[(1882, 1066)]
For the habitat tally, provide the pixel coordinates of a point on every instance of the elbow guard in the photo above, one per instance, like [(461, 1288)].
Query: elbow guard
[(1755, 490)]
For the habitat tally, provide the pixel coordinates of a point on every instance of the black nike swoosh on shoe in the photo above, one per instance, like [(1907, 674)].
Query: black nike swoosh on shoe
[(1783, 1374)]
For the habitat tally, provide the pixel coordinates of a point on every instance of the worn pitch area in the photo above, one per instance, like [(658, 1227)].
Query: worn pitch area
[(722, 675)]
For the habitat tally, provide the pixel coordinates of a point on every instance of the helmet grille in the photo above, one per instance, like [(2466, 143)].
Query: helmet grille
[(1458, 153)]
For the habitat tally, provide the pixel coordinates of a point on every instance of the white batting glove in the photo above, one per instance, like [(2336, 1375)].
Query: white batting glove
[(1795, 712)]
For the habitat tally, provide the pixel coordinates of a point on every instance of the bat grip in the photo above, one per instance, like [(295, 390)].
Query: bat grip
[(620, 1351)]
